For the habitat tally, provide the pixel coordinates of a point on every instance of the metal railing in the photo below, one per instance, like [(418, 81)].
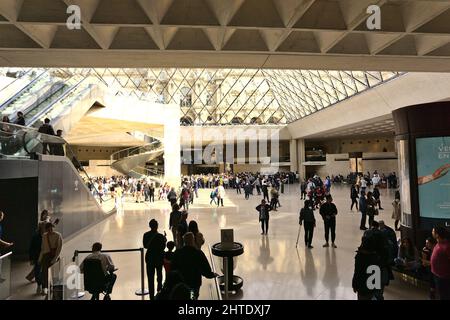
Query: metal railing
[(141, 291), (24, 142), (46, 110), (20, 91), (133, 151), (216, 281), (5, 276)]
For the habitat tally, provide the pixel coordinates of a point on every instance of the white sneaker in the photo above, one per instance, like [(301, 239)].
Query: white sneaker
[(38, 289), (44, 291)]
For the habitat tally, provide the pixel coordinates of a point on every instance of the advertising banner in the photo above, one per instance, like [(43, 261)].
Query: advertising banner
[(433, 166)]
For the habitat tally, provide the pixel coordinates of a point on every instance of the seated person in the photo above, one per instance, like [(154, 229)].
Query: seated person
[(425, 269), (168, 256), (408, 256), (107, 266)]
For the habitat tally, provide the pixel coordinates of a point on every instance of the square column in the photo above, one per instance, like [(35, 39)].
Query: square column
[(172, 150)]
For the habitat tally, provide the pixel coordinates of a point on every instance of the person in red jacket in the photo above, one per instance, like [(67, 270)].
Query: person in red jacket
[(440, 262)]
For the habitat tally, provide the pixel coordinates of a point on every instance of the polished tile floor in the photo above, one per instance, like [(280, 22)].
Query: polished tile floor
[(271, 266)]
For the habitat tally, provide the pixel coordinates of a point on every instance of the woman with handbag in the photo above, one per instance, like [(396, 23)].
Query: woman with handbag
[(50, 251)]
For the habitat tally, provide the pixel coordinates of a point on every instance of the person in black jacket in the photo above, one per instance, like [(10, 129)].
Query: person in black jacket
[(34, 253), (20, 119), (307, 217), (363, 210), (265, 191), (155, 243), (46, 128), (354, 196), (263, 210), (192, 264), (366, 257), (328, 211), (376, 196), (174, 221)]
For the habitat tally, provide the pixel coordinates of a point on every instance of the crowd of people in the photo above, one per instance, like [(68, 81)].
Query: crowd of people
[(184, 264)]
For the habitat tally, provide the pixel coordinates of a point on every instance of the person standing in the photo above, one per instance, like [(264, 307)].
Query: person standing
[(247, 190), (155, 243), (20, 119), (237, 184), (440, 263), (366, 256), (263, 210), (397, 210), (58, 148), (307, 217), (51, 249), (172, 196), (354, 196), (363, 210), (46, 128), (328, 211), (220, 194), (152, 192), (174, 221), (265, 190), (303, 190), (192, 264), (371, 210), (376, 196), (274, 198), (198, 236)]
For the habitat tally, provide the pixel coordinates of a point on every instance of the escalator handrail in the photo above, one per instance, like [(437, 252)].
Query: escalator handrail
[(131, 149), (17, 79), (61, 140), (49, 107), (5, 104)]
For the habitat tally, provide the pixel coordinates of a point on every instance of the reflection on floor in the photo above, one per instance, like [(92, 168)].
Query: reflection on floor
[(271, 266)]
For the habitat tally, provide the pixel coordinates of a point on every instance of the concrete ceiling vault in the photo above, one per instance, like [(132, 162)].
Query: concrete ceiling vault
[(306, 34)]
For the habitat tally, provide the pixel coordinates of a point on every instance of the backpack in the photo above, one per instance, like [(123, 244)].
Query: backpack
[(212, 195)]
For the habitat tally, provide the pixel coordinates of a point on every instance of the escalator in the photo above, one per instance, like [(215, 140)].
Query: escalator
[(47, 96), (131, 161), (32, 181)]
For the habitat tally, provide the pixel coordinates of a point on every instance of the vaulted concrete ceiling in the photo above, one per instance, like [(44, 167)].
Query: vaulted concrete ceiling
[(307, 34)]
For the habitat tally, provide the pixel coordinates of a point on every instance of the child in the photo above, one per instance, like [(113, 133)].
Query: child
[(168, 256)]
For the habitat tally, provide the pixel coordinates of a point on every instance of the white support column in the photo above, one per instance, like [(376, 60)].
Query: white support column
[(293, 155), (301, 158), (172, 150)]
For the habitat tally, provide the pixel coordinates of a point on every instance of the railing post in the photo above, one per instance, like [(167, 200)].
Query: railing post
[(142, 291), (78, 294)]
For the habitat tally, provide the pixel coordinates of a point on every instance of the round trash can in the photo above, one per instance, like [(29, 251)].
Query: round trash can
[(229, 254)]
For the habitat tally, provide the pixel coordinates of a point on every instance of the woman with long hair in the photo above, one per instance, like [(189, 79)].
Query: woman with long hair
[(198, 236)]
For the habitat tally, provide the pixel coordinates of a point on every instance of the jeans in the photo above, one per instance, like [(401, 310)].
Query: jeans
[(151, 278), (330, 227), (265, 223), (266, 196), (309, 232)]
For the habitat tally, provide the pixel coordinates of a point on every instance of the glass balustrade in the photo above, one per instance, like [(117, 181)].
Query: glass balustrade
[(5, 276)]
